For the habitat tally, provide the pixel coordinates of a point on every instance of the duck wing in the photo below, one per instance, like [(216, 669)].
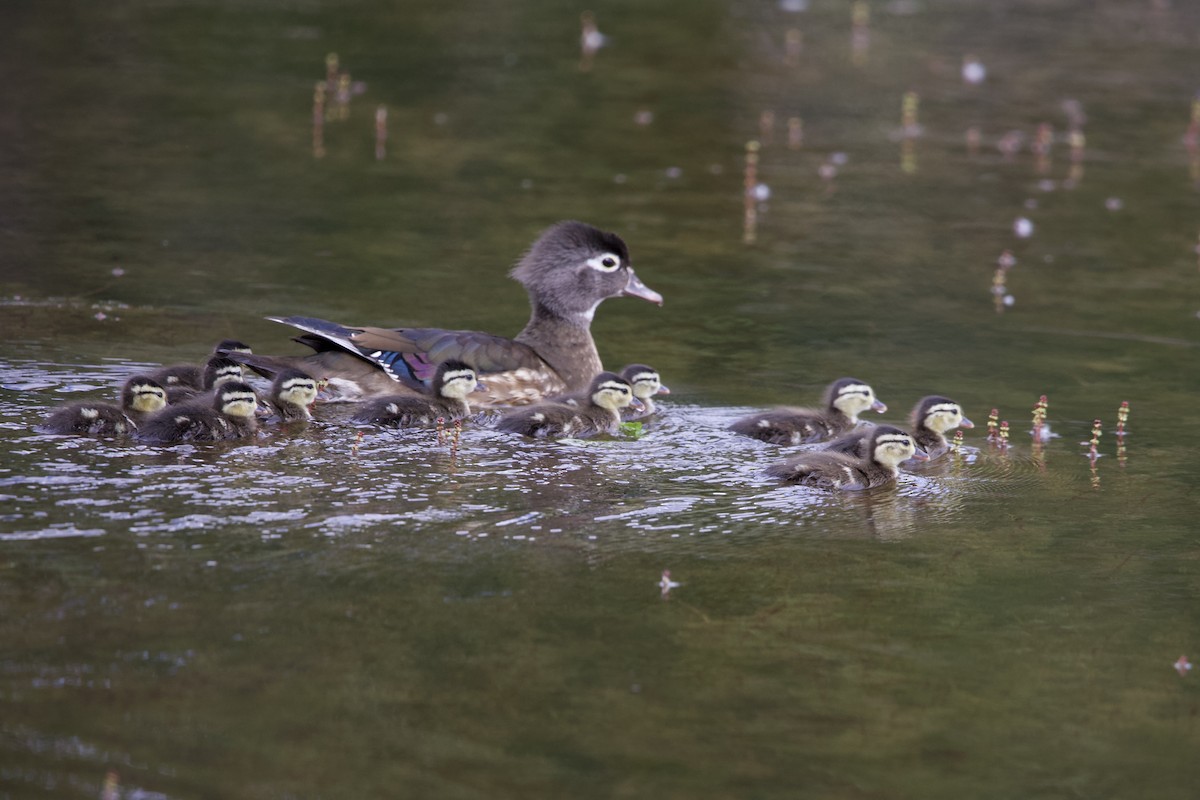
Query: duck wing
[(411, 355)]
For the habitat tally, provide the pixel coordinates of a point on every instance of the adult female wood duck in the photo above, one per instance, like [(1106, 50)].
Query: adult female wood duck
[(228, 414), (931, 417), (140, 397), (446, 399), (608, 394), (887, 447), (844, 400), (192, 376), (568, 272)]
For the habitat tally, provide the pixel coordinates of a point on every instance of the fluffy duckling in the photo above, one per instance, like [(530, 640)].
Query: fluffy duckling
[(929, 421), (447, 399), (192, 376), (888, 447), (844, 400), (292, 394), (646, 383), (931, 418), (609, 393), (140, 397), (228, 414)]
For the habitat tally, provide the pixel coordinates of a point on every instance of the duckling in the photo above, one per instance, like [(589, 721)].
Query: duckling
[(646, 383), (192, 376), (844, 400), (931, 417), (447, 399), (888, 446), (228, 414), (609, 393), (217, 370), (292, 394), (140, 397), (567, 272)]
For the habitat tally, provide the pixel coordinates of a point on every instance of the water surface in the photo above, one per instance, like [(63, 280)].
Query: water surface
[(312, 615)]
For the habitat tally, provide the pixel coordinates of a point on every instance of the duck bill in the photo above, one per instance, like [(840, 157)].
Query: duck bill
[(920, 455), (966, 423), (662, 389), (635, 288), (480, 387), (879, 406), (637, 405)]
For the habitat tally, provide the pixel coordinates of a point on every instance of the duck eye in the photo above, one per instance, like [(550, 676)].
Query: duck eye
[(604, 263)]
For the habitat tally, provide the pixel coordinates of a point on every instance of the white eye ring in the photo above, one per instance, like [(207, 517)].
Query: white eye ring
[(605, 263)]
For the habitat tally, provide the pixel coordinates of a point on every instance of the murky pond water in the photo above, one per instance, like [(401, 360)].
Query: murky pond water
[(311, 614)]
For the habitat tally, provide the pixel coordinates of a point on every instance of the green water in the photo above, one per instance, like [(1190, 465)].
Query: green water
[(308, 615)]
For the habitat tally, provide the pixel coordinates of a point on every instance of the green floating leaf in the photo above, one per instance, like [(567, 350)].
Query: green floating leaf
[(632, 429)]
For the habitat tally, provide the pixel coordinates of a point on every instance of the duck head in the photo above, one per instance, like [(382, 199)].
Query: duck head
[(573, 267)]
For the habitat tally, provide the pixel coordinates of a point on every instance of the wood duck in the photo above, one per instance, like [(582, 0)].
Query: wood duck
[(446, 399), (291, 396), (608, 394), (141, 396), (568, 272), (217, 370), (228, 414), (931, 417), (192, 376), (646, 383), (888, 446), (844, 400)]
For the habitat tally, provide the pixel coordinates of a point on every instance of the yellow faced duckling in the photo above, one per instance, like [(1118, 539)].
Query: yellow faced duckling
[(844, 400), (646, 383), (140, 397), (192, 376), (931, 417), (447, 399), (888, 447), (291, 396), (228, 414), (568, 272), (601, 413)]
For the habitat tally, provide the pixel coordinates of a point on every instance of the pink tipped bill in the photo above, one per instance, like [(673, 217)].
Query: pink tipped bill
[(635, 288)]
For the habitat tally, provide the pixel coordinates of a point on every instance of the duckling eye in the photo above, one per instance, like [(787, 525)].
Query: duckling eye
[(605, 263)]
